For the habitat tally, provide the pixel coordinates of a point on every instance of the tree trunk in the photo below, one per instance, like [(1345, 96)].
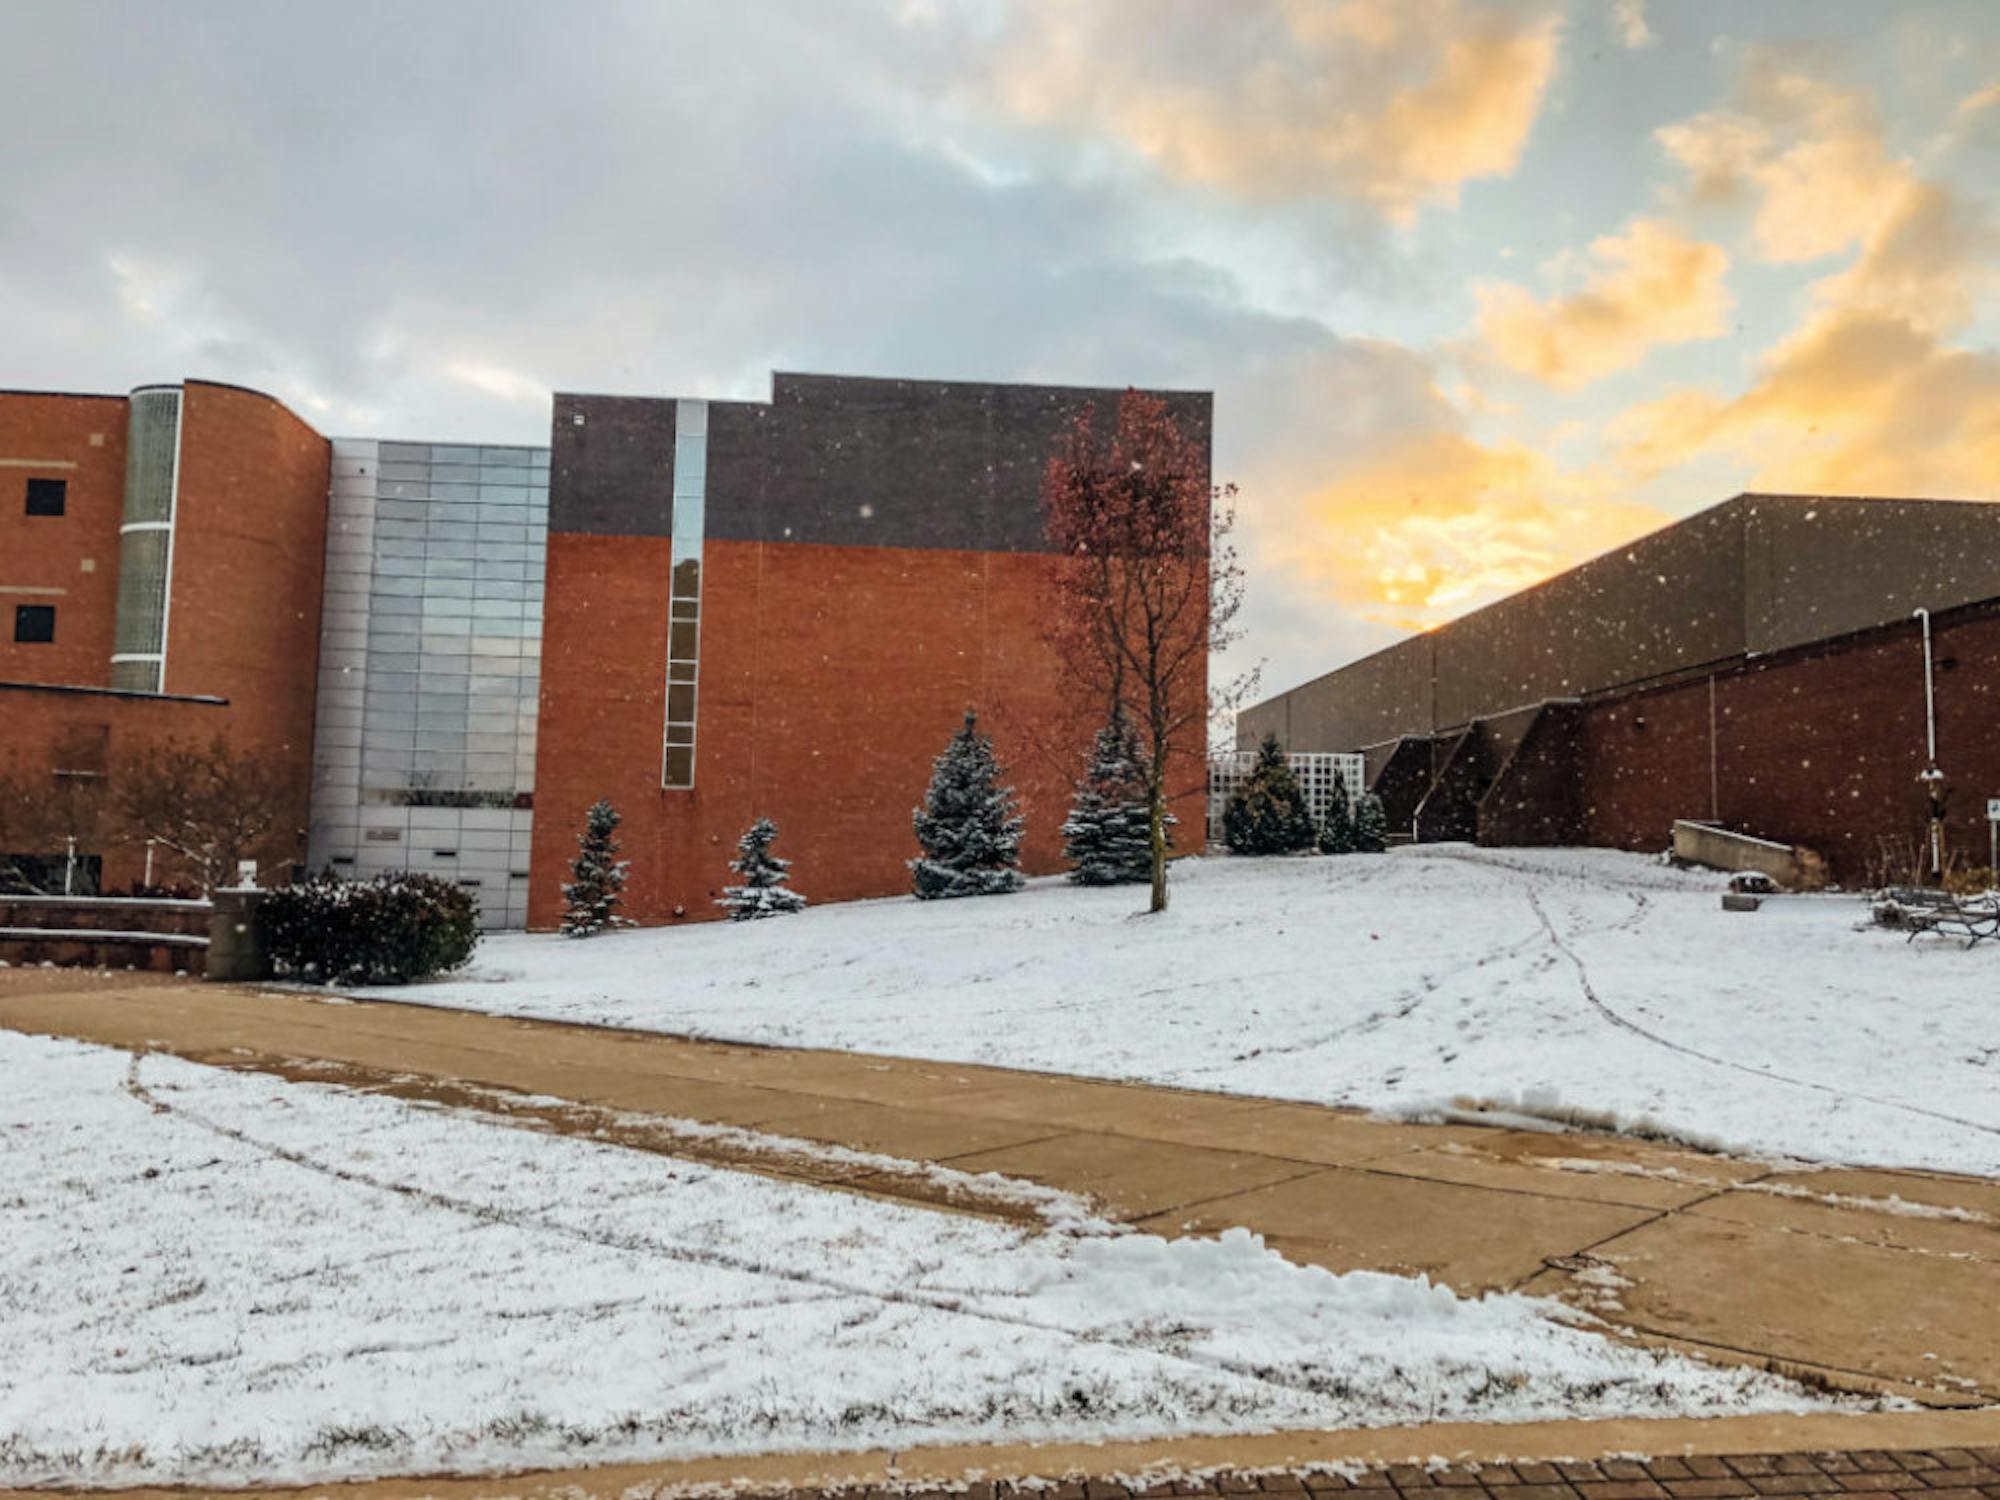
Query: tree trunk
[(1156, 829)]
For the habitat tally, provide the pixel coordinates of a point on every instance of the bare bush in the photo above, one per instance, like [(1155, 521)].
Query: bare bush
[(210, 804)]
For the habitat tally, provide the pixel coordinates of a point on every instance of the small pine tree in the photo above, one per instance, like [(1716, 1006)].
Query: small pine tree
[(968, 827), (1268, 814), (1371, 825), (1336, 829), (597, 877), (1106, 836), (763, 892)]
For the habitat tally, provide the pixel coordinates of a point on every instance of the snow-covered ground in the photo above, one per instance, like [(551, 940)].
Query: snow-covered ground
[(209, 1277), (1573, 979)]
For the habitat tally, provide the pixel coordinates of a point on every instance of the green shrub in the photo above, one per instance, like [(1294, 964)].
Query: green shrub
[(1371, 825), (389, 930), (1268, 814)]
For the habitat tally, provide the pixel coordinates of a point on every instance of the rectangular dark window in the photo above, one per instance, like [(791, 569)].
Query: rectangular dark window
[(46, 496), (35, 624)]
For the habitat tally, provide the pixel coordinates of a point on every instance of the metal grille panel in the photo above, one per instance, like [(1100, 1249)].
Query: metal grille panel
[(1321, 775)]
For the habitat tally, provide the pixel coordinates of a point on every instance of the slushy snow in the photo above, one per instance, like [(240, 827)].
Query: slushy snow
[(1557, 983), (213, 1277)]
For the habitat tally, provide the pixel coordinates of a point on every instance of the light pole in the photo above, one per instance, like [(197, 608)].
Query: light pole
[(1931, 777)]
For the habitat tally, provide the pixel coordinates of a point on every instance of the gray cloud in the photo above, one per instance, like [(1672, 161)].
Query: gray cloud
[(416, 219)]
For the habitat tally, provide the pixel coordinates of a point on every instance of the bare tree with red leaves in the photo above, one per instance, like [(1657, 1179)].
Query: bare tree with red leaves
[(1152, 585)]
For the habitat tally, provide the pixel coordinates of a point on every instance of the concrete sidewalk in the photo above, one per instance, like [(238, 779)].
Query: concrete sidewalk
[(1868, 1278)]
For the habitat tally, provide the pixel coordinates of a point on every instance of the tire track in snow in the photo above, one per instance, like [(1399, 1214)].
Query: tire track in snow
[(817, 1286), (1406, 1002), (1399, 1006), (1626, 1023)]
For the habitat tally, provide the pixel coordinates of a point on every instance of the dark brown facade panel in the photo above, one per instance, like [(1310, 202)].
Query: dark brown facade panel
[(739, 470), (1536, 797), (1400, 773), (611, 465), (1391, 695), (1819, 567), (1450, 806), (835, 460), (1666, 602), (912, 463)]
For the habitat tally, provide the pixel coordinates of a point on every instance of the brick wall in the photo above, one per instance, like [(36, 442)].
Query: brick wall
[(830, 677), (243, 622), (69, 561), (1819, 746), (249, 560), (69, 746)]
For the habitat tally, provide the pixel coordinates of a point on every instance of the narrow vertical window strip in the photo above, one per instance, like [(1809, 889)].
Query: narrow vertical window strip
[(683, 684), (146, 540), (173, 516)]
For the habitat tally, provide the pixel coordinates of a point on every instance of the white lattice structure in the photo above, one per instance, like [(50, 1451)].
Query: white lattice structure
[(1320, 774)]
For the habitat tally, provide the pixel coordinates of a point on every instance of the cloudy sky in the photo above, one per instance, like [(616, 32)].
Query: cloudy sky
[(1481, 288)]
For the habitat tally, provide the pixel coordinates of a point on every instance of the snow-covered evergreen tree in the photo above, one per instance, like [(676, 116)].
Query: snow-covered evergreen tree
[(968, 827), (597, 877), (1336, 829), (763, 892), (1268, 813), (1106, 836), (1371, 825)]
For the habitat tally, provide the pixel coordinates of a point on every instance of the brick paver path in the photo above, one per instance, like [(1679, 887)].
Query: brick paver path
[(1939, 1474)]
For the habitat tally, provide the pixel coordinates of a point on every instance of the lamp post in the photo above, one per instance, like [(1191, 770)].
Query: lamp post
[(1931, 778)]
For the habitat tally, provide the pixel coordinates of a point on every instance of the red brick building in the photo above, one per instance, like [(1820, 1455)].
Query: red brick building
[(160, 564), (1760, 665), (706, 611), (783, 610)]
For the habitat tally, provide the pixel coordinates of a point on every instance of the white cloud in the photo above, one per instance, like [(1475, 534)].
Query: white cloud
[(1628, 17), (1651, 284), (1395, 104)]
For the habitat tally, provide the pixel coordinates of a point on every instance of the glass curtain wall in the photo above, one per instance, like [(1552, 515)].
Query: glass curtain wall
[(431, 658)]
